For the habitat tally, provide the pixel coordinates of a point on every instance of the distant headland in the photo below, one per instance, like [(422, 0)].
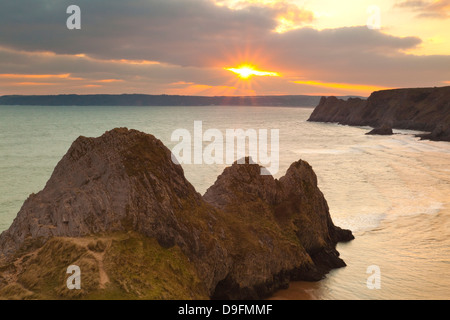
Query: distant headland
[(160, 100), (423, 109)]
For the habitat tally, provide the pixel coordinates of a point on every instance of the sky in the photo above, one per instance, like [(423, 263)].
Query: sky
[(223, 47)]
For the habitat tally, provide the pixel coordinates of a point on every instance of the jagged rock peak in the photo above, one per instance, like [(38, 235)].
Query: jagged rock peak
[(121, 180)]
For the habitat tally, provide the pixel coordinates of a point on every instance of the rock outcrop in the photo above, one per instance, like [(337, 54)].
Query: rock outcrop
[(440, 133), (286, 223), (381, 131), (423, 109), (124, 180), (120, 194)]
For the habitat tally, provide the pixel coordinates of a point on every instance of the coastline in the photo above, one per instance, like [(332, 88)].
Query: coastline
[(423, 109)]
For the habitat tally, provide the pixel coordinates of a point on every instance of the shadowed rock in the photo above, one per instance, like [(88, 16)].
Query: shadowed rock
[(247, 237), (381, 131), (440, 133), (287, 217)]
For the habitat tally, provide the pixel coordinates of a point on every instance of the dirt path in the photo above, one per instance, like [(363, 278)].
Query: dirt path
[(99, 256)]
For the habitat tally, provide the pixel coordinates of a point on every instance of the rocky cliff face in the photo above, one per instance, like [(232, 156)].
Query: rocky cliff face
[(124, 180), (288, 230), (424, 109), (247, 237)]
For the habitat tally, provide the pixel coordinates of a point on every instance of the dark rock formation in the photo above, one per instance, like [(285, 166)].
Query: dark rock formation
[(440, 133), (332, 109), (423, 109), (287, 219), (124, 180), (247, 237), (382, 131)]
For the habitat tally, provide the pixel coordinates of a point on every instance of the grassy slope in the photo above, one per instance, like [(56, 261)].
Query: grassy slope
[(119, 266)]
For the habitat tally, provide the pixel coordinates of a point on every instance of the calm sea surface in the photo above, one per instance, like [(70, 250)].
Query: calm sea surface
[(392, 192)]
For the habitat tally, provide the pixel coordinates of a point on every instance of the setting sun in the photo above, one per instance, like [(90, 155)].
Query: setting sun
[(246, 71)]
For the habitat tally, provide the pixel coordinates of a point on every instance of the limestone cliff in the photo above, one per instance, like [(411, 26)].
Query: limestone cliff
[(124, 180), (121, 209), (423, 109)]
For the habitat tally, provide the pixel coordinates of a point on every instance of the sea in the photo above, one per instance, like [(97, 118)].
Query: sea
[(393, 192)]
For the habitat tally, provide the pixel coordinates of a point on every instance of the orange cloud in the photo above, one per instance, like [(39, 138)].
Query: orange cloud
[(342, 86), (181, 83), (109, 80), (67, 76), (82, 56), (428, 9), (34, 76), (33, 84), (127, 61)]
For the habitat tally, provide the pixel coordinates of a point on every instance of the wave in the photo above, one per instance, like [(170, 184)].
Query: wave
[(414, 210), (361, 223)]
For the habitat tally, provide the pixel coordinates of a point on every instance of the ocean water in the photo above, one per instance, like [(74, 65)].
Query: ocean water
[(393, 192)]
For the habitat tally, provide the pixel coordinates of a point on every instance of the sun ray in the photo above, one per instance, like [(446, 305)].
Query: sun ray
[(247, 71)]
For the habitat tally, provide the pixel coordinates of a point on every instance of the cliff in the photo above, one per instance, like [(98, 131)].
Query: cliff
[(423, 109), (119, 208)]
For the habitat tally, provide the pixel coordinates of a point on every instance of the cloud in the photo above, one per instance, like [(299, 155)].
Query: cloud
[(148, 46), (116, 29), (35, 76), (288, 15), (194, 33), (21, 84), (428, 9), (412, 4), (181, 32), (75, 74)]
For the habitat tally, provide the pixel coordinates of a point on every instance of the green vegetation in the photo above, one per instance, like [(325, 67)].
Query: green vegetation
[(118, 266), (139, 268)]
